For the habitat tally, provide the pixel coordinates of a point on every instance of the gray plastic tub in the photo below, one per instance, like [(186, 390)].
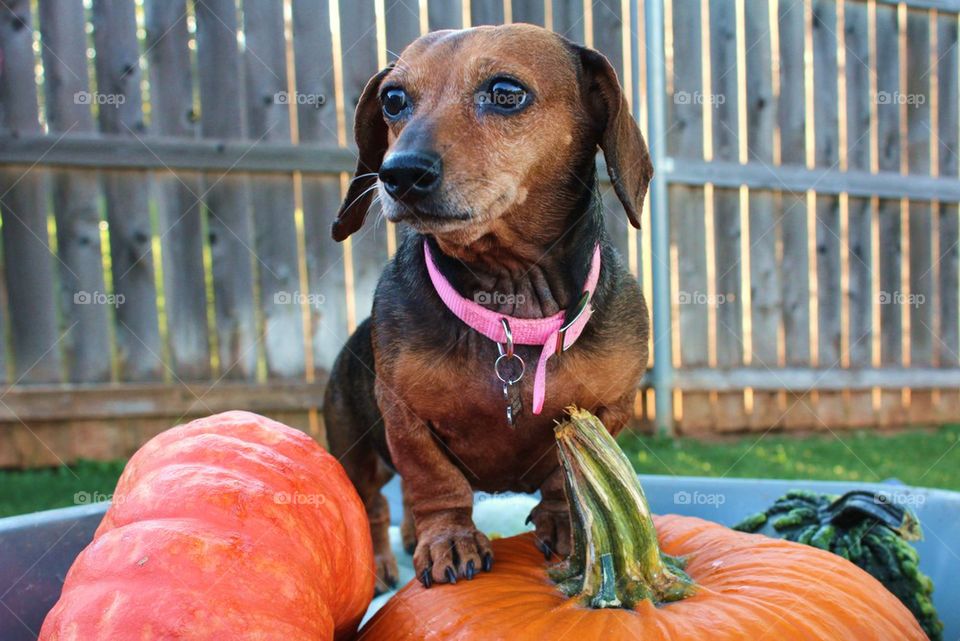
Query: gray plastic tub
[(36, 550)]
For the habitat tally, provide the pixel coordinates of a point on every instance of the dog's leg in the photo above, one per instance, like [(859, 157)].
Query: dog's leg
[(551, 517), (408, 529), (369, 474), (449, 546), (351, 418)]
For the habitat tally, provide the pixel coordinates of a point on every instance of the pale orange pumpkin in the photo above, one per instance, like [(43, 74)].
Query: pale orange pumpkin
[(656, 579), (230, 527)]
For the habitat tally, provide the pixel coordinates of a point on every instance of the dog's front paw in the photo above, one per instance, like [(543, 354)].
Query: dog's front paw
[(388, 575), (408, 532), (551, 521), (449, 548)]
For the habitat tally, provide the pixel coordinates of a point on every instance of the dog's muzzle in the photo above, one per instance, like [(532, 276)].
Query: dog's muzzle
[(411, 176)]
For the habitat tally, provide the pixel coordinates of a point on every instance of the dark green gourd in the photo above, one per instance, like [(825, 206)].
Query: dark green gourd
[(866, 528)]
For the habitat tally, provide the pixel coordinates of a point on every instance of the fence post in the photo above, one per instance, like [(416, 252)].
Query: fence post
[(659, 224)]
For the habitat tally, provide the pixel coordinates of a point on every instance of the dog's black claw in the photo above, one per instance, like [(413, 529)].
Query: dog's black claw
[(469, 571), (426, 579), (529, 519), (451, 575), (487, 562)]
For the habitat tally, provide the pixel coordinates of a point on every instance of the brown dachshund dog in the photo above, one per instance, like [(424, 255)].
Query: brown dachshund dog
[(483, 141)]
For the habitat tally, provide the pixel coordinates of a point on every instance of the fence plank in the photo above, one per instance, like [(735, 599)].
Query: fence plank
[(4, 317), (445, 14), (568, 19), (370, 244), (226, 196), (180, 211), (152, 400), (765, 286), (859, 210), (799, 380), (275, 228), (76, 194), (127, 193), (798, 179), (831, 409), (687, 209), (792, 206), (530, 11), (730, 412), (888, 137), (313, 56), (313, 51), (948, 346), (26, 246), (403, 25), (608, 24), (486, 12), (921, 298)]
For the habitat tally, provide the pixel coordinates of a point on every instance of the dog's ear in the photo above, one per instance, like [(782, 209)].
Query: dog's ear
[(370, 132), (624, 149)]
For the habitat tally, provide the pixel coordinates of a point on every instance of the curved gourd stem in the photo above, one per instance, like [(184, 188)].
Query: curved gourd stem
[(616, 559)]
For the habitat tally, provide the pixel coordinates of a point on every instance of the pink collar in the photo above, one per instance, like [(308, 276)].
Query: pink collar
[(548, 332)]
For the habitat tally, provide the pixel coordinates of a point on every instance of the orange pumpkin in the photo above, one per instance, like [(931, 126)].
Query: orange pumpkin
[(232, 526), (636, 577)]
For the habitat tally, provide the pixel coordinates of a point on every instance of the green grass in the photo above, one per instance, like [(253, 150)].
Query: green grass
[(925, 458), (43, 489), (929, 458)]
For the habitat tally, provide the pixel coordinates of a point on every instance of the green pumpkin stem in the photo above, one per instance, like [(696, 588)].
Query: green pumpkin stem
[(616, 559)]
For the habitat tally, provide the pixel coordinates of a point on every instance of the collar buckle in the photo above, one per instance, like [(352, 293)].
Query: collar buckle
[(580, 307)]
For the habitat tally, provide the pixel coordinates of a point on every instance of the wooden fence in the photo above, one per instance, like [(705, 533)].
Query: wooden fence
[(169, 170)]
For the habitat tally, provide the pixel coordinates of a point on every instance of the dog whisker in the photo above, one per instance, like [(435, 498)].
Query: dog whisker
[(399, 63), (362, 194), (381, 215)]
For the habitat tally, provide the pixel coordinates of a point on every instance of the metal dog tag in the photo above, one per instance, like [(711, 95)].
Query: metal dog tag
[(511, 394), (509, 369)]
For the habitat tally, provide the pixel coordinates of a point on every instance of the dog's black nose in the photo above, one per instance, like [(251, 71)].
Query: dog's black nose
[(409, 176)]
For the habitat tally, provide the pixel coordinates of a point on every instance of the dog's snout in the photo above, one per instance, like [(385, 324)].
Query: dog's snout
[(410, 176)]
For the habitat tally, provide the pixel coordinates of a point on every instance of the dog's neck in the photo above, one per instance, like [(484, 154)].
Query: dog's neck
[(524, 275)]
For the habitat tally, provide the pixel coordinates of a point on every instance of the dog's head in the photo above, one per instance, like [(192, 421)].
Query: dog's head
[(470, 130)]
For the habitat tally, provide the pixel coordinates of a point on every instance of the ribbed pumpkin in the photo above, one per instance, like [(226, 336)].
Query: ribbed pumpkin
[(699, 581), (230, 527)]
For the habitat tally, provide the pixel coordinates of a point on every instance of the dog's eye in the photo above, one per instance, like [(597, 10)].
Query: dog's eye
[(395, 102), (505, 95)]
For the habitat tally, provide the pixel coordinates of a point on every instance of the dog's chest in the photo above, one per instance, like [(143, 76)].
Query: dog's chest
[(462, 399)]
